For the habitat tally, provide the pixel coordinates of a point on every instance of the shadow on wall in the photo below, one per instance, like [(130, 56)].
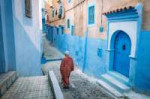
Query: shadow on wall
[(28, 56), (10, 43), (27, 39), (2, 61), (7, 36)]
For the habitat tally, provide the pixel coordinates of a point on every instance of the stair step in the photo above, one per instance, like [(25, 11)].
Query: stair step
[(109, 88), (6, 80), (119, 77), (121, 87)]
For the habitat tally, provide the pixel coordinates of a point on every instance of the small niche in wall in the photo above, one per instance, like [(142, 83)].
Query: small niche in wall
[(99, 52), (101, 29), (28, 11), (76, 53)]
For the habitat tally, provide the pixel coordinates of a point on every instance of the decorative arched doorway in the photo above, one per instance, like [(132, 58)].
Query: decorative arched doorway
[(122, 49)]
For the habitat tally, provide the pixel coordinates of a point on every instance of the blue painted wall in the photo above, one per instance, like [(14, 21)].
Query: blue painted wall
[(142, 75), (95, 65), (91, 63), (27, 34), (2, 58), (8, 34)]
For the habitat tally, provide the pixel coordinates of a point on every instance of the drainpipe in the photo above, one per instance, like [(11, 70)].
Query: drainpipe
[(85, 50), (85, 46)]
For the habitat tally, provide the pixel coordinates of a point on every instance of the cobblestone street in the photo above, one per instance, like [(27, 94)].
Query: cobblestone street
[(82, 86), (30, 88)]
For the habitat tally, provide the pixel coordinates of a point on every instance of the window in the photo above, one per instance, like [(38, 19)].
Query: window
[(60, 12), (53, 13), (72, 30), (28, 8), (56, 12), (91, 14), (69, 1), (68, 23)]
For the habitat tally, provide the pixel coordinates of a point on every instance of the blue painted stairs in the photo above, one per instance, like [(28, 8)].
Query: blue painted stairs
[(115, 83)]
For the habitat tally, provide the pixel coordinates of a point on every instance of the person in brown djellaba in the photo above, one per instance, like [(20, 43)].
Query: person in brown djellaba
[(66, 67)]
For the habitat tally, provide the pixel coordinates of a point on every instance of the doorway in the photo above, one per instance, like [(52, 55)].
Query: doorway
[(122, 49)]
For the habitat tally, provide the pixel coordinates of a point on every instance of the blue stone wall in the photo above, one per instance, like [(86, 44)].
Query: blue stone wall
[(27, 34), (8, 35), (96, 65), (88, 53), (142, 75), (2, 58)]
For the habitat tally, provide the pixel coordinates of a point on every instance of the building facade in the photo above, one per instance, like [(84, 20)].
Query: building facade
[(104, 36), (21, 27)]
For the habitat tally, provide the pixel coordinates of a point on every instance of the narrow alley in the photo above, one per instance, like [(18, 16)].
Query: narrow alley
[(74, 49), (82, 86)]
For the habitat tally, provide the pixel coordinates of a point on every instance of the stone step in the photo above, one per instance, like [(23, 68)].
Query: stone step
[(119, 77), (6, 80), (55, 86), (121, 87), (109, 89)]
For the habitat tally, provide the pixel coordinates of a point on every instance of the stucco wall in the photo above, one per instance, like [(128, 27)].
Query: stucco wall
[(142, 75), (146, 15), (79, 13), (2, 58), (27, 38), (8, 34)]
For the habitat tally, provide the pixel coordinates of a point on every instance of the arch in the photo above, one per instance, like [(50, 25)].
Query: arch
[(121, 43), (113, 37)]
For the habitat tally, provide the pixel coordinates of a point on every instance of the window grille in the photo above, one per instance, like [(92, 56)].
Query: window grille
[(91, 15)]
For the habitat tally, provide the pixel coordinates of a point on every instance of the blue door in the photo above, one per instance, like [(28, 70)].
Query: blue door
[(122, 48)]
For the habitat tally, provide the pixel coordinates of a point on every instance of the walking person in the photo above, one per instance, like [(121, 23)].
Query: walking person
[(66, 67)]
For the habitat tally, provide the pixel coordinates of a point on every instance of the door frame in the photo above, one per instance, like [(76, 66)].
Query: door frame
[(129, 21)]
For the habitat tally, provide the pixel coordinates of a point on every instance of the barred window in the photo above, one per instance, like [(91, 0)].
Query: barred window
[(68, 23), (28, 8), (60, 12), (91, 15), (53, 13)]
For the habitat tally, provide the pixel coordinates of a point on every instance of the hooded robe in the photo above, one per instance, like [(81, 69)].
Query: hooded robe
[(66, 67)]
